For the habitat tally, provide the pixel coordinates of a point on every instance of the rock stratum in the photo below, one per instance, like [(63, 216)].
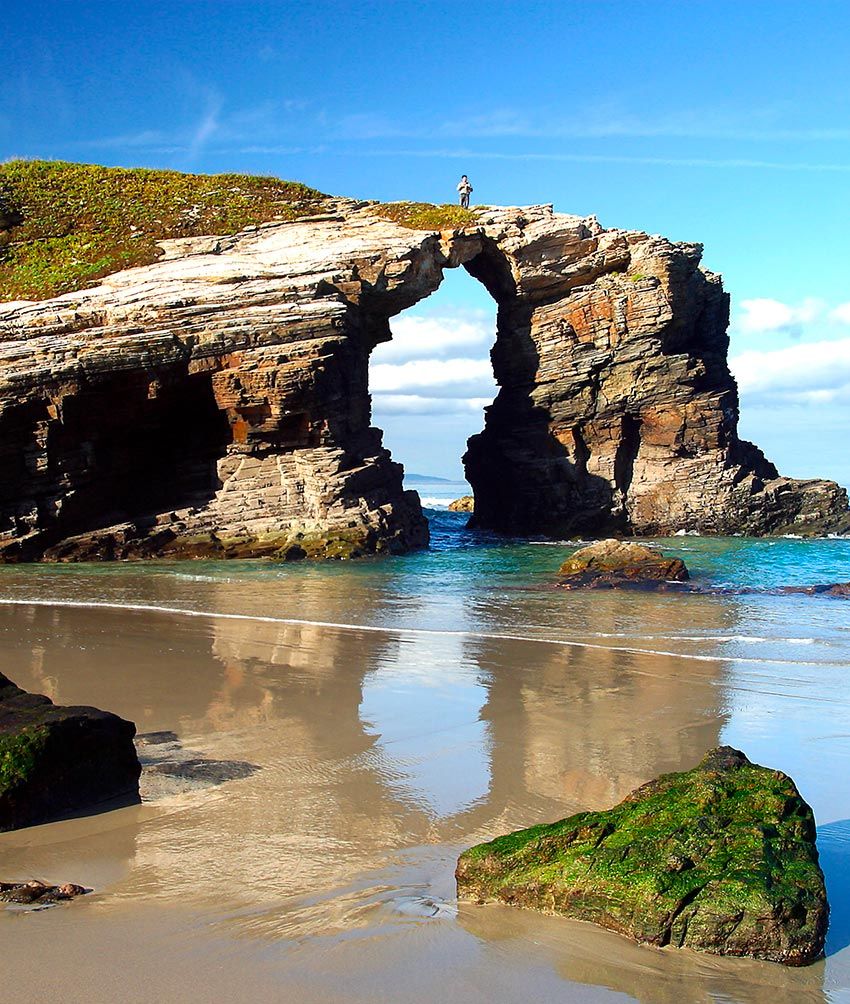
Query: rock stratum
[(721, 859), (216, 401)]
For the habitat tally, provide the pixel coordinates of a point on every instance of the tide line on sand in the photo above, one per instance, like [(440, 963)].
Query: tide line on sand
[(379, 629)]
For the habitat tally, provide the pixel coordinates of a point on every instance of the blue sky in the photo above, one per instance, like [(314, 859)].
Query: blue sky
[(726, 123)]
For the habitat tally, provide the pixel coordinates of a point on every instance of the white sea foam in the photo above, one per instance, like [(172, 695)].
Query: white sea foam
[(378, 629), (745, 639)]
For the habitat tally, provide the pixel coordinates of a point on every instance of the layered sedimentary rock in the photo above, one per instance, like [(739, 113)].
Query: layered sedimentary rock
[(217, 402), (56, 760)]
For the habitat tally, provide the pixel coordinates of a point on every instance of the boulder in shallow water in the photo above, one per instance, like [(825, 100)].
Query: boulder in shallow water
[(466, 503), (721, 859), (611, 564), (35, 893), (56, 761)]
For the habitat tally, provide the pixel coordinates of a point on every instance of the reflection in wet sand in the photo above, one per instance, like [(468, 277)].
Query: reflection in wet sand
[(381, 755), (585, 954), (586, 727)]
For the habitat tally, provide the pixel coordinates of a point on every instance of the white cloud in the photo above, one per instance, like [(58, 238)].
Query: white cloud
[(763, 315), (415, 404), (435, 338), (449, 378), (810, 373), (434, 366), (841, 314)]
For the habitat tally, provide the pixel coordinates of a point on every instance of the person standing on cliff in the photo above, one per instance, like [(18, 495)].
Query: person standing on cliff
[(464, 188)]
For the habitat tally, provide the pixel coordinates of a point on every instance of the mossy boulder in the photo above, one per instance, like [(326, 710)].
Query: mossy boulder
[(339, 544), (609, 564), (721, 859), (56, 761)]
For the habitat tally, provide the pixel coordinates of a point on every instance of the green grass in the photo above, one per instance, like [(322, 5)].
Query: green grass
[(19, 754), (67, 225), (426, 215)]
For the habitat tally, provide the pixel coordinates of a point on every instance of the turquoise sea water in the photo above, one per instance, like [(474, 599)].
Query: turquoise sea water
[(474, 696)]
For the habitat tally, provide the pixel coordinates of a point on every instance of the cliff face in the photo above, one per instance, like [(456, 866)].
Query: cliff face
[(216, 402)]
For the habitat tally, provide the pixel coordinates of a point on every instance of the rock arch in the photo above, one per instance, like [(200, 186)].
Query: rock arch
[(216, 403)]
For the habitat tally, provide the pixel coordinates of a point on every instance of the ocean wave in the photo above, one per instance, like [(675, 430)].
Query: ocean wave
[(395, 631), (745, 639)]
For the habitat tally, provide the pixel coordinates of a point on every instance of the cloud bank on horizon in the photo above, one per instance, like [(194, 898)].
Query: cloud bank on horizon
[(813, 369), (790, 360)]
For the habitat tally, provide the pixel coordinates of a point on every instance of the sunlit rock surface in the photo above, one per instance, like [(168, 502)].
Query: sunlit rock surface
[(614, 563), (216, 403)]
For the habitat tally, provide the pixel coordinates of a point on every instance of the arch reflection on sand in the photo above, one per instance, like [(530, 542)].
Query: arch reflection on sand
[(382, 754), (368, 742)]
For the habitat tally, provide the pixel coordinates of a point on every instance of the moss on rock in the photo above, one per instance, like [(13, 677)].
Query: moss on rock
[(611, 563), (57, 760), (19, 753), (64, 225), (721, 858), (426, 215), (333, 545)]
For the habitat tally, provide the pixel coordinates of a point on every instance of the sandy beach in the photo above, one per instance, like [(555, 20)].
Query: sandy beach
[(307, 790)]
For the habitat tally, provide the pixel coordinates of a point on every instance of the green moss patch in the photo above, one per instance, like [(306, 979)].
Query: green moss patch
[(334, 545), (720, 858), (19, 754), (63, 226), (426, 215)]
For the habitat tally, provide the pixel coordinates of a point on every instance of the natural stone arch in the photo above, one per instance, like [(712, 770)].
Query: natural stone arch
[(616, 409)]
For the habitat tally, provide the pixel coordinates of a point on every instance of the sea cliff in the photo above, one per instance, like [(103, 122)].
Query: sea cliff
[(212, 399)]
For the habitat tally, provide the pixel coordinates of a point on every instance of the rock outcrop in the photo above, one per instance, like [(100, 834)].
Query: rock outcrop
[(466, 503), (216, 402), (35, 893), (55, 761), (612, 564), (720, 859)]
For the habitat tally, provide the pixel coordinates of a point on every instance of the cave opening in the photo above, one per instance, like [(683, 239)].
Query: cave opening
[(430, 384), (129, 448)]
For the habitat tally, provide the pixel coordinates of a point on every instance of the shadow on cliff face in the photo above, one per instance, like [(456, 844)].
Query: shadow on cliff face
[(528, 475), (121, 451), (556, 491)]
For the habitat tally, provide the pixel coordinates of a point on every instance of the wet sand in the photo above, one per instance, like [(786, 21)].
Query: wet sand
[(326, 874)]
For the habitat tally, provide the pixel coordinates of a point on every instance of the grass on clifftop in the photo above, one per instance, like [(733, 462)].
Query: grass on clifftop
[(63, 226), (426, 215)]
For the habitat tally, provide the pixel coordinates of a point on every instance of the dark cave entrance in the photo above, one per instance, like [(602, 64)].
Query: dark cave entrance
[(148, 447), (124, 450)]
